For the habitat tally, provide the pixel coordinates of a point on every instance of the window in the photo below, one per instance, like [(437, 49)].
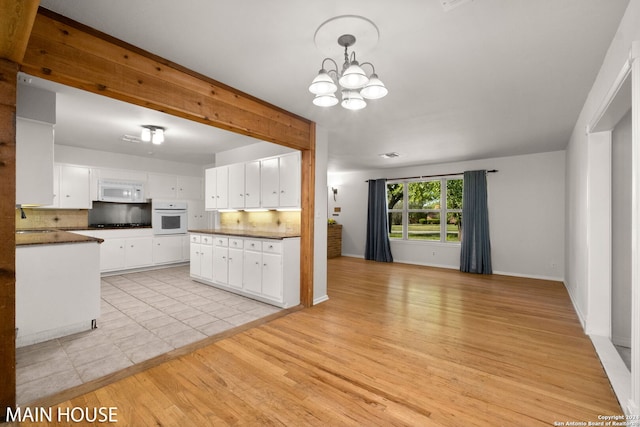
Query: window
[(425, 210)]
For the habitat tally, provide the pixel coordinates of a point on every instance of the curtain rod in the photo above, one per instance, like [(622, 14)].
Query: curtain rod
[(431, 176)]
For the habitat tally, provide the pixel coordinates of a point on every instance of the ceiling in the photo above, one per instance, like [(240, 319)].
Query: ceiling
[(488, 78)]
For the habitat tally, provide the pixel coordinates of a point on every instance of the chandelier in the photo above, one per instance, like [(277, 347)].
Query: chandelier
[(355, 85), (155, 134)]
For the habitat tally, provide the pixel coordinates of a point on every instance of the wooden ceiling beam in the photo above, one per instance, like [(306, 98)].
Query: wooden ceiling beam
[(67, 52), (16, 21)]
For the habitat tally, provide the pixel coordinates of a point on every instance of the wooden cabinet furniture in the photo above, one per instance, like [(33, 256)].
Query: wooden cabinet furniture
[(334, 240)]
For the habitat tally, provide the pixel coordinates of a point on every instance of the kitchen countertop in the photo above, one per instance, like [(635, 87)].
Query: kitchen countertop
[(50, 236), (248, 233)]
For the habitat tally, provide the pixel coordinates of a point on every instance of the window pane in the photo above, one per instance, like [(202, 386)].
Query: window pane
[(395, 196), (424, 195), (395, 225), (454, 222), (454, 193), (424, 226)]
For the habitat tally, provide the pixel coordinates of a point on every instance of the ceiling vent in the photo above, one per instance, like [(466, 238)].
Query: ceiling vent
[(391, 155), (447, 5), (132, 139)]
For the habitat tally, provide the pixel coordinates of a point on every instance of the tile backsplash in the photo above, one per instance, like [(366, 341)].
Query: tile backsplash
[(52, 218), (276, 221)]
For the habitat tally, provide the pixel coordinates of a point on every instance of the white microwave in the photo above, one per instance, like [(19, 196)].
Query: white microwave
[(120, 191)]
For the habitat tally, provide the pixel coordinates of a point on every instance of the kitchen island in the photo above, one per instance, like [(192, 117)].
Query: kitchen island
[(57, 284), (262, 265)]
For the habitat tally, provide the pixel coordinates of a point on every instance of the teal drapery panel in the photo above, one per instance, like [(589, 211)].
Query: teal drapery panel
[(475, 250), (378, 247)]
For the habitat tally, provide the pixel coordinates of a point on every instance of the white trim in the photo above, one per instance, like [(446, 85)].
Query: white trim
[(634, 400), (320, 300), (616, 370), (576, 307), (609, 100)]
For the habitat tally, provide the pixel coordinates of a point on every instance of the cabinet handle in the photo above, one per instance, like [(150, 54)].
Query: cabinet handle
[(257, 263), (67, 195), (131, 245), (247, 194), (282, 191), (241, 195), (270, 246), (265, 265), (224, 257), (275, 192), (121, 247)]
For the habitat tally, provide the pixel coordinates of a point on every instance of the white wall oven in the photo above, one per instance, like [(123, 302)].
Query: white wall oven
[(169, 217)]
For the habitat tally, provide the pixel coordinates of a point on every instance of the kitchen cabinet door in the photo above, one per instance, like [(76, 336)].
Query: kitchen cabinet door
[(34, 162), (252, 272), (161, 186), (252, 185), (206, 265), (289, 177), (210, 189), (269, 182), (167, 249), (216, 188), (195, 260), (139, 252), (237, 186), (189, 188), (272, 276), (220, 254), (234, 268), (74, 187), (112, 254)]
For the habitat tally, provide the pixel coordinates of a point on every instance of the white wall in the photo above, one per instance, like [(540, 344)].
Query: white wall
[(250, 152), (526, 214), (86, 157), (621, 233), (577, 163)]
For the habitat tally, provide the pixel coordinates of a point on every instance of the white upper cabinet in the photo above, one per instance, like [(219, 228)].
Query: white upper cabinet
[(270, 182), (34, 162), (161, 186), (189, 187), (236, 186), (289, 176), (217, 188), (74, 187), (244, 185), (71, 187)]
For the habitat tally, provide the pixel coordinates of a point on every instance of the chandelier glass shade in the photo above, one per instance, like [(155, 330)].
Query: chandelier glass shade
[(354, 84)]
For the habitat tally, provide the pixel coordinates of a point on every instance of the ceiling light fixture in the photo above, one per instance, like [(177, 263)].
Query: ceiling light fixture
[(155, 134), (354, 83)]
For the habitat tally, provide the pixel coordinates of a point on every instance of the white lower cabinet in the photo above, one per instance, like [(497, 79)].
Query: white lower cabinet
[(167, 249), (122, 254), (264, 269), (201, 259), (126, 249)]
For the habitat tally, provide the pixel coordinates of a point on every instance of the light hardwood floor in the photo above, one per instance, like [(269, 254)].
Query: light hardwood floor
[(395, 345)]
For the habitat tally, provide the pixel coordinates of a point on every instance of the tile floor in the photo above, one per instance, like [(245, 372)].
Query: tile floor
[(144, 314)]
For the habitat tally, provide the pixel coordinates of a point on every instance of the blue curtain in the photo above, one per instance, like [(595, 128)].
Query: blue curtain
[(475, 250), (377, 247)]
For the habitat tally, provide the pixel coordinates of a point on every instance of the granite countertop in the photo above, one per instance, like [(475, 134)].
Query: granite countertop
[(51, 236), (248, 233)]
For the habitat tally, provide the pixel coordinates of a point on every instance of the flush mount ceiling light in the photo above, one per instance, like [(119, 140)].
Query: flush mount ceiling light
[(354, 83), (155, 134)]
